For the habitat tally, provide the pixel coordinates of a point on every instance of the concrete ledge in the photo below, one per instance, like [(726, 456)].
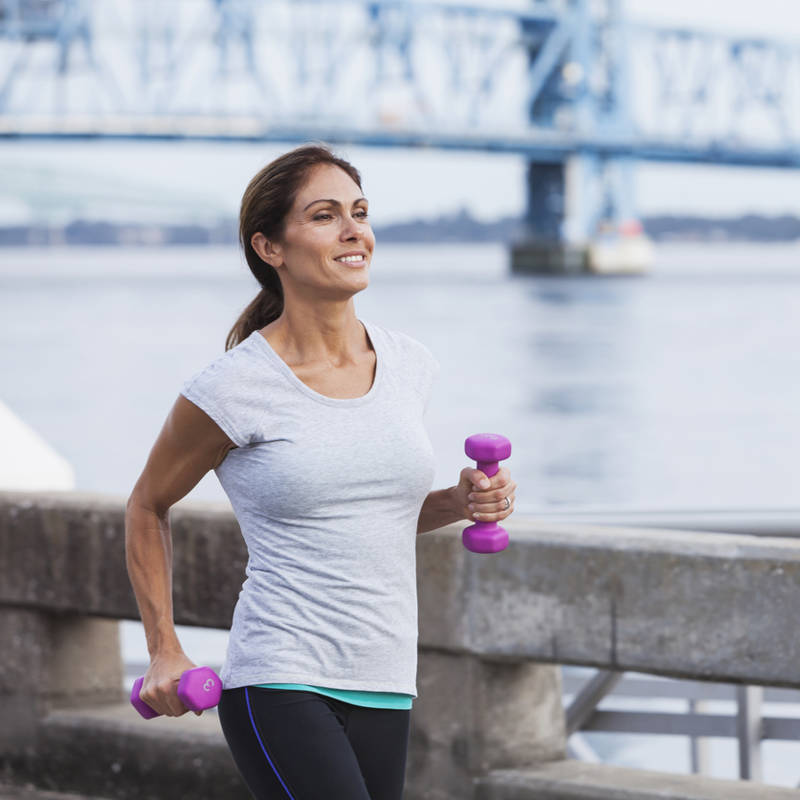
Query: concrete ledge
[(576, 780), (68, 549), (675, 603), (111, 752), (683, 604)]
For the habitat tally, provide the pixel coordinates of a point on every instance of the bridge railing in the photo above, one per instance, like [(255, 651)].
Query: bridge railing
[(489, 720)]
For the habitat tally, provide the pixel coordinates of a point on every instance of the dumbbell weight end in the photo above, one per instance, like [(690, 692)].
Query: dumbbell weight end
[(198, 689)]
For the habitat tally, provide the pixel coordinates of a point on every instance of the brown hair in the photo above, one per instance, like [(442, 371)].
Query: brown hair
[(267, 200)]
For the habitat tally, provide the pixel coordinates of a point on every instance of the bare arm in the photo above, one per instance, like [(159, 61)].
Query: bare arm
[(188, 446), (439, 509)]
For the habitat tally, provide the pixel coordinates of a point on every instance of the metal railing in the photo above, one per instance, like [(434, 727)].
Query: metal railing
[(748, 725)]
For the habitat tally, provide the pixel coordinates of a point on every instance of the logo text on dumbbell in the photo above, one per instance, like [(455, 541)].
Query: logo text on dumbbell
[(208, 685)]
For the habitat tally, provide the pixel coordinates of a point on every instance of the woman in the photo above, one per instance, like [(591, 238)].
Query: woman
[(312, 421)]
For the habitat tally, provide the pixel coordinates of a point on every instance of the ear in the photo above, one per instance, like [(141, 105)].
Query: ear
[(267, 251)]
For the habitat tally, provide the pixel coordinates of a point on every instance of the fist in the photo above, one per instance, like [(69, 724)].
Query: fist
[(485, 503)]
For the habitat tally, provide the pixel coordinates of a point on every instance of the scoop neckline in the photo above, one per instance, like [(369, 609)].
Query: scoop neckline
[(314, 395)]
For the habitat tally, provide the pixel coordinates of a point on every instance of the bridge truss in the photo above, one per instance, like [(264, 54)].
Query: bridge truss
[(572, 84)]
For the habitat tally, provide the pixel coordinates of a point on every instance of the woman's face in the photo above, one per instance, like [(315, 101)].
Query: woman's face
[(328, 241)]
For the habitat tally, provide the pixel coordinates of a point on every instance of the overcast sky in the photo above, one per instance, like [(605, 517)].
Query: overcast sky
[(400, 183)]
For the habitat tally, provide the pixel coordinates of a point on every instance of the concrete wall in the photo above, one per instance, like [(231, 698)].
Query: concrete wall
[(64, 586), (674, 603)]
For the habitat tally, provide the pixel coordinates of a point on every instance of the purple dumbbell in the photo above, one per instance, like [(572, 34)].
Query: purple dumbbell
[(487, 449), (198, 688)]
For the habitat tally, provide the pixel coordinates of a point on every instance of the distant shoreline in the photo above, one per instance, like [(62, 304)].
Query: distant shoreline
[(453, 228)]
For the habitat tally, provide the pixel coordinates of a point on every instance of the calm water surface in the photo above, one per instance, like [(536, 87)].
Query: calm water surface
[(678, 390)]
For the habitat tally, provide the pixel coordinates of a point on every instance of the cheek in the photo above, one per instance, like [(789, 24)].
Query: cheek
[(318, 241)]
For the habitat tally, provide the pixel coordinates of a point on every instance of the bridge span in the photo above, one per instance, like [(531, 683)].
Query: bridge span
[(577, 87)]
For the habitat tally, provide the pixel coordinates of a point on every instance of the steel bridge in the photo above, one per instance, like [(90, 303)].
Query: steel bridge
[(575, 86)]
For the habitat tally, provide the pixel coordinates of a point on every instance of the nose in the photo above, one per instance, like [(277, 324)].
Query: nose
[(350, 229)]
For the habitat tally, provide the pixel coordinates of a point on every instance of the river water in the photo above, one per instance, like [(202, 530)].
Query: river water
[(678, 390)]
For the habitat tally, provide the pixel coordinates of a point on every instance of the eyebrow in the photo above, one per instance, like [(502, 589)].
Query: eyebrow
[(333, 202)]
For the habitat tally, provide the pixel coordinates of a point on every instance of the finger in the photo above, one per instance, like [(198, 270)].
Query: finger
[(500, 478), (504, 485), (154, 698), (488, 512), (492, 496), (170, 701), (480, 480), (499, 482), (495, 505)]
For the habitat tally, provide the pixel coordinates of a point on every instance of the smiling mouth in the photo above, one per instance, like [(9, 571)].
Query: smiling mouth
[(354, 260)]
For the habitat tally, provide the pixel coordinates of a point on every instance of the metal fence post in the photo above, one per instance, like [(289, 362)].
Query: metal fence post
[(749, 731), (699, 749)]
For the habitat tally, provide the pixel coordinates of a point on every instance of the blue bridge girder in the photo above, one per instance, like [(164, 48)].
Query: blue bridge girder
[(556, 78), (575, 86)]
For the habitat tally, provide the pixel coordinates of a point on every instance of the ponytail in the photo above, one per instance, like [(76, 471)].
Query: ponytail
[(265, 307)]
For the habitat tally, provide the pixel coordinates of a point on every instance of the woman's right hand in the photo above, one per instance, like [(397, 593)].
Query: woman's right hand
[(160, 685)]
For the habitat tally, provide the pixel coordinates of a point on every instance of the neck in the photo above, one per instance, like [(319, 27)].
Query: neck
[(318, 335)]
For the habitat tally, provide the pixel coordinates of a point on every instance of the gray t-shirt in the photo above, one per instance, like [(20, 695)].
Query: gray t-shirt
[(327, 493)]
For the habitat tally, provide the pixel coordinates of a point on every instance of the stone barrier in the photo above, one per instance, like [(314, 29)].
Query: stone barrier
[(493, 630)]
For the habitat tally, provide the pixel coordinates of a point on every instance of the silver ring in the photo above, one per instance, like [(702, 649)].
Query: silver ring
[(508, 504)]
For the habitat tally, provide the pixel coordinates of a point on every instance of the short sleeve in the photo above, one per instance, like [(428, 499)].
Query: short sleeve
[(218, 392)]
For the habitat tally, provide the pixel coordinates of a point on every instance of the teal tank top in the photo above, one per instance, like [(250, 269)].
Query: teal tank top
[(370, 699)]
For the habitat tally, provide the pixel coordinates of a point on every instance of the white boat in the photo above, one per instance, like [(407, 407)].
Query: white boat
[(624, 249)]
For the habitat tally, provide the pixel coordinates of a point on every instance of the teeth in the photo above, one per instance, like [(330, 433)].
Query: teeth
[(350, 259)]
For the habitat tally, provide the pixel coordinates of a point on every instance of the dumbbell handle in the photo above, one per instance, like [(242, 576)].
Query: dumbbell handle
[(488, 468), (198, 689)]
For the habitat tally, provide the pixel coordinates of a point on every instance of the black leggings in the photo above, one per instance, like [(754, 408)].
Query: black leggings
[(294, 745)]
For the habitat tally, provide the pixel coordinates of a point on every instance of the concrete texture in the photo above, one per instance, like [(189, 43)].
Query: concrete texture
[(108, 751), (59, 660), (69, 552), (670, 602), (674, 603), (576, 780), (470, 717), (708, 606)]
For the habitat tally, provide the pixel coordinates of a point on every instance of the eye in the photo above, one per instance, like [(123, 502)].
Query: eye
[(322, 216), (363, 214)]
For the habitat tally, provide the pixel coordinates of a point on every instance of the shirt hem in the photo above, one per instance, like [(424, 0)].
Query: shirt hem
[(254, 678), (364, 699)]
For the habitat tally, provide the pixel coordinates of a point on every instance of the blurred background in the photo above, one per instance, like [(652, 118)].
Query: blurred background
[(589, 211)]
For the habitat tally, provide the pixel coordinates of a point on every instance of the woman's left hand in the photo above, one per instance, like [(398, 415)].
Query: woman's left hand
[(484, 504)]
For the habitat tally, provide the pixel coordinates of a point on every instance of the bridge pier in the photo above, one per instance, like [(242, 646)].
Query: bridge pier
[(532, 256), (581, 212), (543, 249), (580, 219)]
